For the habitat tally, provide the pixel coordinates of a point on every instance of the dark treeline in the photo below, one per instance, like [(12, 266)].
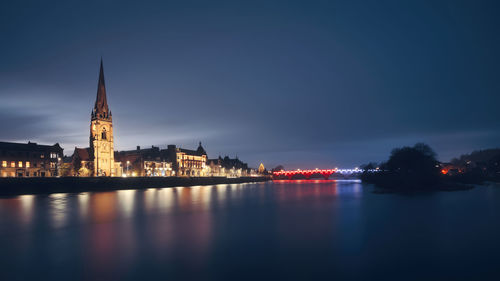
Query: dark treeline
[(417, 168)]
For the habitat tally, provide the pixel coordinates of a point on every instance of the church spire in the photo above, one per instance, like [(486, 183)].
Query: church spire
[(101, 109)]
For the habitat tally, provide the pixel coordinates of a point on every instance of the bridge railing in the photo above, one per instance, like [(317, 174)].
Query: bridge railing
[(326, 173)]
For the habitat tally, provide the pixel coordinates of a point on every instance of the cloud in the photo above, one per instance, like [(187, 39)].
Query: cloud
[(309, 83)]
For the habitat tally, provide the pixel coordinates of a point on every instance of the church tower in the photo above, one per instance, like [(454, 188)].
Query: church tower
[(101, 133)]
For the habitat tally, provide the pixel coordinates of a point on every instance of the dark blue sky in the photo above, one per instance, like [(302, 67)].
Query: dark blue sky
[(300, 83)]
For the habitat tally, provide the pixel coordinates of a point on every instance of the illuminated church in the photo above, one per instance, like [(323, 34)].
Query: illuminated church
[(98, 158)]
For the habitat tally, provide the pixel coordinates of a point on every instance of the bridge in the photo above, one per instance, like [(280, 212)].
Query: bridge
[(325, 173)]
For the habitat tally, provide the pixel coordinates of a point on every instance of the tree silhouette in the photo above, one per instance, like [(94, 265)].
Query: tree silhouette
[(408, 168), (419, 159)]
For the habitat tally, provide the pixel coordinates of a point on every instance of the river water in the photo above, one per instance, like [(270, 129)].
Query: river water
[(282, 230)]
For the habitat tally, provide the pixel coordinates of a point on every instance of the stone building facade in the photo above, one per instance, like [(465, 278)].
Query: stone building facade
[(101, 133), (29, 159), (186, 162), (156, 162), (149, 162), (227, 167), (99, 158)]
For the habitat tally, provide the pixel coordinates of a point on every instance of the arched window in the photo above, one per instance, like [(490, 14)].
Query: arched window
[(103, 134)]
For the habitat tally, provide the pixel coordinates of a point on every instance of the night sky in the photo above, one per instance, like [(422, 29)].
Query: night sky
[(305, 84)]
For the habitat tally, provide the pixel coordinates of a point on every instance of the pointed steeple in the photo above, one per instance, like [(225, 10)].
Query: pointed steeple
[(101, 109)]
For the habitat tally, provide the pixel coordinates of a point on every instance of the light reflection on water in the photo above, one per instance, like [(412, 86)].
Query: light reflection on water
[(83, 204), (126, 201), (58, 209), (26, 208), (219, 230), (107, 206)]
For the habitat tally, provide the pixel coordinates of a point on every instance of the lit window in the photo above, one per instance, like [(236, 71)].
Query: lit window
[(20, 164), (12, 164), (27, 164), (4, 164), (42, 156)]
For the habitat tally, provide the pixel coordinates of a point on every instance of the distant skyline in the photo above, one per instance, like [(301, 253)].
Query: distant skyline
[(304, 84)]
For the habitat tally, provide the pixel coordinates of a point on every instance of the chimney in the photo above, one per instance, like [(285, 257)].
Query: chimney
[(138, 147)]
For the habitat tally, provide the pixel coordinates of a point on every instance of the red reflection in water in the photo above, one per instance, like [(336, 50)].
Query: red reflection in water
[(307, 188)]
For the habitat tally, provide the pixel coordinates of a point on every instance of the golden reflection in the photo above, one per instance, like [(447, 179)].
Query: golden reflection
[(220, 193), (58, 209), (166, 199), (197, 200), (150, 199), (83, 204), (126, 201), (163, 199), (103, 206), (185, 199), (190, 220), (27, 208), (200, 197)]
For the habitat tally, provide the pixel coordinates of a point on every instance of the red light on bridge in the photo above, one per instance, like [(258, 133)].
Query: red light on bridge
[(305, 173)]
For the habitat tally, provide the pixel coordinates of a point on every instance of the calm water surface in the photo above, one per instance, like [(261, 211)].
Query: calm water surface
[(287, 230)]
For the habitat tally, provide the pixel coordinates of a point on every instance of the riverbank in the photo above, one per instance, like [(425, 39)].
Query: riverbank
[(20, 186), (387, 182)]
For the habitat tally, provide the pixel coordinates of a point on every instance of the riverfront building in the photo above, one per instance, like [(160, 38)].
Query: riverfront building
[(29, 159), (186, 162), (228, 167), (149, 162), (156, 162)]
